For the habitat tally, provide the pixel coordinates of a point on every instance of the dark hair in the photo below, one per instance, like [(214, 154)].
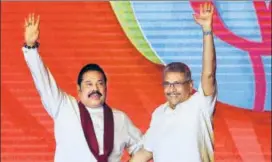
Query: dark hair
[(90, 67), (178, 67)]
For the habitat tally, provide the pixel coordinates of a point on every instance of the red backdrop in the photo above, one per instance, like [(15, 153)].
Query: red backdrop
[(76, 33)]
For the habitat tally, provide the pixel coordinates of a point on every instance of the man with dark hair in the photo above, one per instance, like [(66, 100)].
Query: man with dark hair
[(88, 130), (181, 129)]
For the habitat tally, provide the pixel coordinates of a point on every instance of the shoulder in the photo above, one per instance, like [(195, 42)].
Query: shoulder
[(118, 112), (159, 110), (120, 115)]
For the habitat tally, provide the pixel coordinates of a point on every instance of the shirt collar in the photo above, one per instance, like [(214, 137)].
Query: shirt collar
[(168, 109), (96, 109)]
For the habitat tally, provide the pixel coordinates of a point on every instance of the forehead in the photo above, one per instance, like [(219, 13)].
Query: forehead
[(92, 76), (174, 76)]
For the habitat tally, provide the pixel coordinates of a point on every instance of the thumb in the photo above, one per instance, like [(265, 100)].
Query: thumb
[(196, 16)]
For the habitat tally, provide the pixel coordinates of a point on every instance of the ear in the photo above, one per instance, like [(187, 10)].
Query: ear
[(78, 90), (191, 86)]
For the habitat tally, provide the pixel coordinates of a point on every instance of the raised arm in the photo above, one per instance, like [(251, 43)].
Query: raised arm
[(204, 19), (52, 97)]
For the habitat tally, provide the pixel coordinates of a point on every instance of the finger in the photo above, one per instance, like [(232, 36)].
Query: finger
[(26, 24), (29, 19), (38, 35), (37, 23), (201, 9), (205, 7), (195, 16), (212, 8), (209, 6), (32, 19)]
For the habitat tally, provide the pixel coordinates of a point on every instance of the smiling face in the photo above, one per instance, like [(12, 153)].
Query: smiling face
[(177, 83), (92, 90), (177, 88)]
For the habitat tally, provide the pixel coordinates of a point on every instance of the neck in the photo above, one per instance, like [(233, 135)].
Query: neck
[(92, 107), (173, 106), (96, 107)]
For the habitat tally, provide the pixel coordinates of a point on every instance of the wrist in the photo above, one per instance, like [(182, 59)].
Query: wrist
[(32, 45), (206, 28), (207, 33)]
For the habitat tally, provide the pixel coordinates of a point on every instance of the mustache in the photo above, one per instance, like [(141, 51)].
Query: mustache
[(95, 92), (168, 94)]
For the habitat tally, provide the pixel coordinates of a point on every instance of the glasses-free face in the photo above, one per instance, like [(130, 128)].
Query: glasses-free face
[(92, 91), (176, 88)]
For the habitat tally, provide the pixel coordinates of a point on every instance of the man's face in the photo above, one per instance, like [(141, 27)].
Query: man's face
[(176, 88), (92, 91)]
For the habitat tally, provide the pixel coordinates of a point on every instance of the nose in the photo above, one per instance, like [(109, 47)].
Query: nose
[(172, 88), (95, 87)]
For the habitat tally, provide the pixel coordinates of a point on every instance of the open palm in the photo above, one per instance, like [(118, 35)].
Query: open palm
[(31, 30), (204, 18)]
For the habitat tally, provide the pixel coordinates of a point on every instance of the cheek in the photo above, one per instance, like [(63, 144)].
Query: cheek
[(187, 89), (165, 91), (84, 91), (82, 94), (102, 90)]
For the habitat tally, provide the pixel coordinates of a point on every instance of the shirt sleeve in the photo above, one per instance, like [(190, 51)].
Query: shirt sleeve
[(147, 141), (51, 96), (134, 135), (207, 102), (149, 138)]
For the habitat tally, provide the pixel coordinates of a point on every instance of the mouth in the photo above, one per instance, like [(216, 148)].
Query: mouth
[(172, 95), (94, 96)]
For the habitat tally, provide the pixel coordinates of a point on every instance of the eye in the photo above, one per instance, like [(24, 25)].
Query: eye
[(89, 84), (177, 83), (166, 84), (101, 83)]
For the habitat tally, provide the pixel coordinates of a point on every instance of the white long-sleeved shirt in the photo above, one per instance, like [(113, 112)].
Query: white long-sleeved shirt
[(71, 145), (184, 134)]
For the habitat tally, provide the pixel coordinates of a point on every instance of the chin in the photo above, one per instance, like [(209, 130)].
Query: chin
[(175, 102), (94, 105)]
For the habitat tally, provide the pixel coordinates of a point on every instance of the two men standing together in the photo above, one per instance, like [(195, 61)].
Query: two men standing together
[(89, 130)]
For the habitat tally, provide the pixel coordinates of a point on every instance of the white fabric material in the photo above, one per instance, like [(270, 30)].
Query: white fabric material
[(71, 145), (184, 134)]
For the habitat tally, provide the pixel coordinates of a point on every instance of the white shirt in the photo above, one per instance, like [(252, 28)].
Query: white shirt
[(71, 145), (184, 134)]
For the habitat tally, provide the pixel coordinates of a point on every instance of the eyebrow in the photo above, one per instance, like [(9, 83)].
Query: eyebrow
[(172, 82), (178, 81), (88, 81), (100, 80)]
